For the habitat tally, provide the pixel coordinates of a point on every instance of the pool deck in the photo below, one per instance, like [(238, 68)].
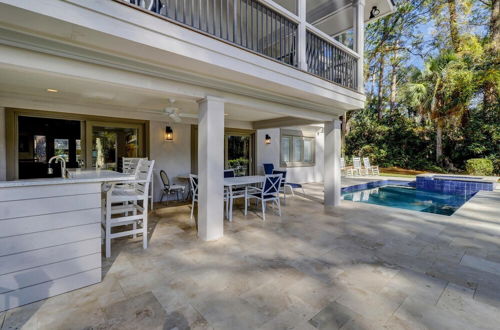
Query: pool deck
[(358, 266)]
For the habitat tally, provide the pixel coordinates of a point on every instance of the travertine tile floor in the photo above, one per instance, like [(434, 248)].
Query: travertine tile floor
[(356, 267)]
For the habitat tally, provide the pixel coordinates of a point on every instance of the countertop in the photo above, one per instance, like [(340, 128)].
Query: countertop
[(75, 176)]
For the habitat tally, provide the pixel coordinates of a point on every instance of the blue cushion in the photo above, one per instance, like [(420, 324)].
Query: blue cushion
[(294, 185), (265, 196), (268, 168)]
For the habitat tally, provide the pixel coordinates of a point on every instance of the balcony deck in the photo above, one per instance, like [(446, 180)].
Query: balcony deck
[(250, 25)]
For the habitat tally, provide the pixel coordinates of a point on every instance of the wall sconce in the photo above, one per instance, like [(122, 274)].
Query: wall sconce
[(268, 139), (169, 134), (374, 12)]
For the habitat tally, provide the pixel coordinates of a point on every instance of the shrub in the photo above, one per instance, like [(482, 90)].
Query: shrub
[(479, 166), (496, 166)]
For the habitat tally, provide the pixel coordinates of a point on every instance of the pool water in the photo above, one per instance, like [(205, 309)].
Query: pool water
[(407, 197)]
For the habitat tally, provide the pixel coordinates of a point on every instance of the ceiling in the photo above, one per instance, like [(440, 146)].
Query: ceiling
[(34, 85), (335, 16)]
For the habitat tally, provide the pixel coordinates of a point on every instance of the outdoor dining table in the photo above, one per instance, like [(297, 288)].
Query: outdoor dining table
[(240, 181)]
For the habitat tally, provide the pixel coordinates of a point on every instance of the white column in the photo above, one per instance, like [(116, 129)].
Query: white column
[(358, 9), (332, 163), (301, 48), (211, 168), (3, 147)]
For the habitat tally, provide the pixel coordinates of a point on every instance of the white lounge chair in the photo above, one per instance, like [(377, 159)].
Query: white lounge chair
[(347, 170), (357, 168), (370, 168)]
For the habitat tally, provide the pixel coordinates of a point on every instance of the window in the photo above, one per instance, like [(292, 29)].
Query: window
[(296, 149), (61, 148)]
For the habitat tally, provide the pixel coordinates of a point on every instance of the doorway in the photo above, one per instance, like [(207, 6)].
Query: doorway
[(239, 150), (110, 142), (238, 153)]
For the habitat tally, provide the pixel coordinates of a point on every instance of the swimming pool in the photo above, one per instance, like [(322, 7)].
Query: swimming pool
[(404, 195)]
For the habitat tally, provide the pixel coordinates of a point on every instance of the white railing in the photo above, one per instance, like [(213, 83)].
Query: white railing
[(264, 27)]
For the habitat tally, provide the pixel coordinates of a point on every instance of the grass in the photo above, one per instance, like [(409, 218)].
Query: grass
[(398, 175)]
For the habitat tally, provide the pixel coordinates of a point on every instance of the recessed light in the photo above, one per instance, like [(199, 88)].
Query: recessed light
[(50, 90)]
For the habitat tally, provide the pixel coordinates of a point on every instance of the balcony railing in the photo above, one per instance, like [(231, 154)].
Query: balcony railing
[(252, 25), (329, 61)]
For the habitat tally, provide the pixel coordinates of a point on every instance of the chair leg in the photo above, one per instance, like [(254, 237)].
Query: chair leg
[(246, 206), (192, 208), (279, 206), (108, 229), (263, 210), (134, 225), (145, 225), (162, 194)]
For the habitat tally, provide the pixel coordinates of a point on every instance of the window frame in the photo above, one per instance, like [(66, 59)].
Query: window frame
[(291, 134)]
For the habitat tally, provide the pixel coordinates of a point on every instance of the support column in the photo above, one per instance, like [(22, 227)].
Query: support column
[(358, 9), (211, 168), (301, 43), (332, 185), (3, 147)]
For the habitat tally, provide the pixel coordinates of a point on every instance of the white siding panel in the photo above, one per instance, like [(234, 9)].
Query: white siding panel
[(46, 222), (20, 193), (48, 289), (30, 259), (50, 272), (17, 244), (31, 207)]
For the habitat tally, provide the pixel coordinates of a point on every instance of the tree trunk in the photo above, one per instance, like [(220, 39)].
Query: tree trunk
[(490, 89), (439, 143), (452, 20), (394, 75), (380, 86), (344, 132)]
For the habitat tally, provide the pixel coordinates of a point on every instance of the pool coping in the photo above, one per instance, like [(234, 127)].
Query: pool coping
[(458, 177)]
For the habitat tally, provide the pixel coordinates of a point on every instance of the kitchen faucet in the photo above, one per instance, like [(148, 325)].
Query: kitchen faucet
[(58, 159)]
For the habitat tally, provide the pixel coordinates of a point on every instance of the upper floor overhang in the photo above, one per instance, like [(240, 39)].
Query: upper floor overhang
[(334, 17), (111, 34)]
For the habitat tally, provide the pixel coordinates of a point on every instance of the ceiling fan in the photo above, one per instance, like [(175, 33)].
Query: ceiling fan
[(172, 112)]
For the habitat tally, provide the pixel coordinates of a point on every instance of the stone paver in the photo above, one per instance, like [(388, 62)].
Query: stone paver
[(353, 267)]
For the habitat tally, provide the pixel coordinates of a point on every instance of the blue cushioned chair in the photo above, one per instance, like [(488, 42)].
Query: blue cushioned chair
[(268, 168), (270, 192), (229, 173), (285, 184)]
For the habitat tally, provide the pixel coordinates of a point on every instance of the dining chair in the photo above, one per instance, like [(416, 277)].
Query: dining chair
[(121, 202), (270, 192), (229, 173), (283, 183), (268, 168), (193, 181), (129, 165), (168, 188)]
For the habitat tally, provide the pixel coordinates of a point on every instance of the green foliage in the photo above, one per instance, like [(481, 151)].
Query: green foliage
[(447, 106), (479, 166)]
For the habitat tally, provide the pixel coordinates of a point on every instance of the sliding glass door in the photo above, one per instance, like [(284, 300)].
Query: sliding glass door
[(238, 153), (110, 142)]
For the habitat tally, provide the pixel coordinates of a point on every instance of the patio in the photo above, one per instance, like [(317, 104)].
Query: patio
[(358, 266)]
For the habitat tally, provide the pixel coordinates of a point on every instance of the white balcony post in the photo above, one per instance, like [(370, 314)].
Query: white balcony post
[(301, 49), (332, 185), (211, 168), (358, 9)]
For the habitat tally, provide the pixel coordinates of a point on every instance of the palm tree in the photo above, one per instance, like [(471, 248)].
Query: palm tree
[(440, 92)]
